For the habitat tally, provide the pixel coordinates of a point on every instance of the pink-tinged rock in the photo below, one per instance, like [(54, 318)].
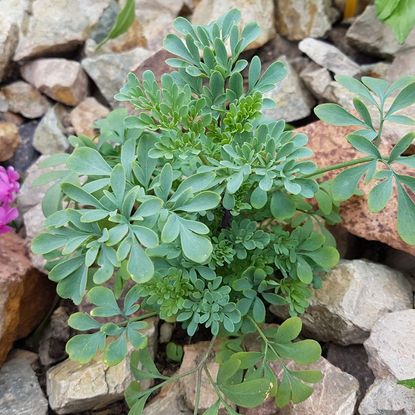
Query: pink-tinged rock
[(26, 294), (330, 147), (61, 79)]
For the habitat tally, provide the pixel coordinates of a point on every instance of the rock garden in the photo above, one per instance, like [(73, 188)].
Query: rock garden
[(207, 218)]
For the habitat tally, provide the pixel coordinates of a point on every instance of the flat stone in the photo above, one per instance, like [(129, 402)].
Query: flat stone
[(260, 11), (370, 35), (9, 140), (61, 79), (21, 306), (336, 394), (109, 71), (329, 57), (330, 147), (49, 136), (57, 26), (84, 115), (73, 388), (25, 99), (387, 397), (298, 19), (317, 79), (169, 401), (391, 345), (354, 295), (20, 392), (9, 36), (293, 101)]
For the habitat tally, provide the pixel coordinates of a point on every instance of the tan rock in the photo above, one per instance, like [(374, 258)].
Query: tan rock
[(353, 297), (336, 394), (298, 19), (391, 345), (9, 140), (84, 115), (57, 26), (109, 70), (402, 65), (73, 388), (61, 79), (330, 147), (33, 220), (21, 306), (169, 401), (261, 11), (25, 99), (9, 36), (20, 392)]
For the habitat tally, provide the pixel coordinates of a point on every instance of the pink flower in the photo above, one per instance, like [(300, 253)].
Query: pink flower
[(9, 184), (7, 214)]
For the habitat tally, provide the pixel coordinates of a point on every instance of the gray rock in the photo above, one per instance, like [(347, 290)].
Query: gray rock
[(109, 71), (370, 35), (329, 57), (20, 392), (168, 402), (260, 11), (391, 345), (15, 11), (298, 19), (402, 65), (57, 26), (293, 101), (166, 332), (61, 79), (317, 80), (73, 388), (353, 297), (386, 397), (23, 98), (49, 137), (31, 195), (9, 36), (33, 220), (25, 154), (54, 338)]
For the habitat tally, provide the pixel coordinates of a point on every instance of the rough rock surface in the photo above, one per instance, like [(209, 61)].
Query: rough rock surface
[(33, 220), (9, 140), (317, 80), (25, 154), (61, 79), (403, 64), (192, 355), (9, 36), (330, 146), (57, 26), (299, 19), (49, 136), (84, 115), (21, 306), (353, 297), (329, 57), (293, 101), (371, 36), (155, 63), (169, 401), (386, 397), (20, 392), (391, 345), (336, 394), (73, 388), (25, 99), (260, 11), (109, 71)]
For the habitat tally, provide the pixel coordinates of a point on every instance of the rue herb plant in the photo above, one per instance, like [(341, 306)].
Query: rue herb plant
[(199, 210)]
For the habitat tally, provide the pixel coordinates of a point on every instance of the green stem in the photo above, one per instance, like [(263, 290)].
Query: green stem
[(338, 166)]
